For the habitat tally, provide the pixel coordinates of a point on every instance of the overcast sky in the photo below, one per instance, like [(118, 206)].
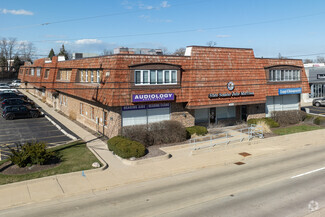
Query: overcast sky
[(290, 27)]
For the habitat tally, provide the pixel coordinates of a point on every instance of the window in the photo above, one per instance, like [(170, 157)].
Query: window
[(98, 76), (81, 75), (153, 77), (105, 118), (159, 77), (284, 75), (38, 72), (32, 71), (46, 74), (64, 74), (81, 108), (92, 113), (91, 76)]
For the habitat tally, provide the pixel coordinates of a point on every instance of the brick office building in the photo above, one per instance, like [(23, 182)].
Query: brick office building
[(209, 85)]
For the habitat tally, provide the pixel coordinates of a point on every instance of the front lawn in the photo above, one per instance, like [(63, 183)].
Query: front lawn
[(296, 129), (75, 156)]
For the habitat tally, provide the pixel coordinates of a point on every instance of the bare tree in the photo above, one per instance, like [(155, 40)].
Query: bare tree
[(7, 47), (320, 59), (180, 51), (308, 61), (106, 52), (26, 51), (212, 43)]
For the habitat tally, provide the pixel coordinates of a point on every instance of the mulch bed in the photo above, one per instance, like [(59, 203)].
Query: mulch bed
[(8, 168)]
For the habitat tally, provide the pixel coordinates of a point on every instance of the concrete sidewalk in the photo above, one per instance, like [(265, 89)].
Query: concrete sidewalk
[(118, 174)]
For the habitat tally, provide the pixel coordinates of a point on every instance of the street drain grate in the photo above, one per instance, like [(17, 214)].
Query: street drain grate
[(244, 154), (239, 163)]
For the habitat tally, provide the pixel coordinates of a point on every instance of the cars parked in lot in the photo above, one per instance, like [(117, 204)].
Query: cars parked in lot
[(16, 101), (8, 95), (20, 111), (15, 83), (319, 102)]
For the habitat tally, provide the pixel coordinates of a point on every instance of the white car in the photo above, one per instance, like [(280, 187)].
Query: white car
[(7, 89), (15, 83)]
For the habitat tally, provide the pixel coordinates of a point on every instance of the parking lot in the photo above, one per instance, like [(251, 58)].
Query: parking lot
[(316, 110), (22, 130)]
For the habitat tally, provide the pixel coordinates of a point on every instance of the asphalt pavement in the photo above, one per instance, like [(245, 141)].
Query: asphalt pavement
[(29, 130)]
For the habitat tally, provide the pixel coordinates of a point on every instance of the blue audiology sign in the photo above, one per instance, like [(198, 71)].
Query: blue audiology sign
[(286, 91)]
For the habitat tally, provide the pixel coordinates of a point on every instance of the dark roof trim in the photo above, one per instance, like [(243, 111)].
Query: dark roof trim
[(276, 66), (148, 64)]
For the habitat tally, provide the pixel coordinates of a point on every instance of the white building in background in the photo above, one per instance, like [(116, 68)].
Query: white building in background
[(83, 55)]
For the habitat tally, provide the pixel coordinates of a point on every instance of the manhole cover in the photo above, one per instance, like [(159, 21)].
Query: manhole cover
[(239, 163), (245, 154)]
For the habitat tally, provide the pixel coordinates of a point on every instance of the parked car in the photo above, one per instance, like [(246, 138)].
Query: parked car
[(7, 89), (16, 101), (9, 95), (20, 111), (15, 83), (319, 102)]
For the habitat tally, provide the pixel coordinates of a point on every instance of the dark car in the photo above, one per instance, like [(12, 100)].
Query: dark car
[(319, 102), (20, 111), (16, 101), (8, 95)]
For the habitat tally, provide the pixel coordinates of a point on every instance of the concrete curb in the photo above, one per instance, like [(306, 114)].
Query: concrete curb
[(59, 128), (105, 164), (144, 161)]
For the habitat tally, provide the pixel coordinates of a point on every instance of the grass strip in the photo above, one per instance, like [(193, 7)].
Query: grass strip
[(75, 156)]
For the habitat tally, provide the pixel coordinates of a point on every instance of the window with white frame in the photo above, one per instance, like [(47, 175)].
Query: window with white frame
[(32, 71), (284, 75), (89, 75), (98, 76), (38, 72), (155, 77)]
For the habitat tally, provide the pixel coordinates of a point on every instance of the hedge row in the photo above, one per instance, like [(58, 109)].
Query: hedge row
[(164, 132), (198, 130), (126, 148)]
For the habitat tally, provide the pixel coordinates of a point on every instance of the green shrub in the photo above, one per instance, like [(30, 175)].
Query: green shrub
[(31, 154), (289, 117), (269, 121), (126, 148), (319, 121), (198, 130), (163, 132)]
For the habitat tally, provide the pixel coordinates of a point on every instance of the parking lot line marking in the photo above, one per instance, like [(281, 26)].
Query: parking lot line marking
[(12, 134), (37, 139), (15, 128)]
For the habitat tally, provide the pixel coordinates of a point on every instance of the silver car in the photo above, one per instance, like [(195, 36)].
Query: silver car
[(319, 102)]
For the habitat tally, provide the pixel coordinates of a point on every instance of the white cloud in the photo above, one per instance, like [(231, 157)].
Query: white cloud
[(164, 4), (16, 12), (88, 41), (62, 42), (223, 36)]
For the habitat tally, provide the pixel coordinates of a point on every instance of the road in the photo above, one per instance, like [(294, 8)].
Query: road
[(279, 185)]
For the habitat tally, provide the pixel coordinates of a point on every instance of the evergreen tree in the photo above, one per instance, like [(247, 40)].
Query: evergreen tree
[(17, 63), (3, 63), (51, 54), (63, 52)]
